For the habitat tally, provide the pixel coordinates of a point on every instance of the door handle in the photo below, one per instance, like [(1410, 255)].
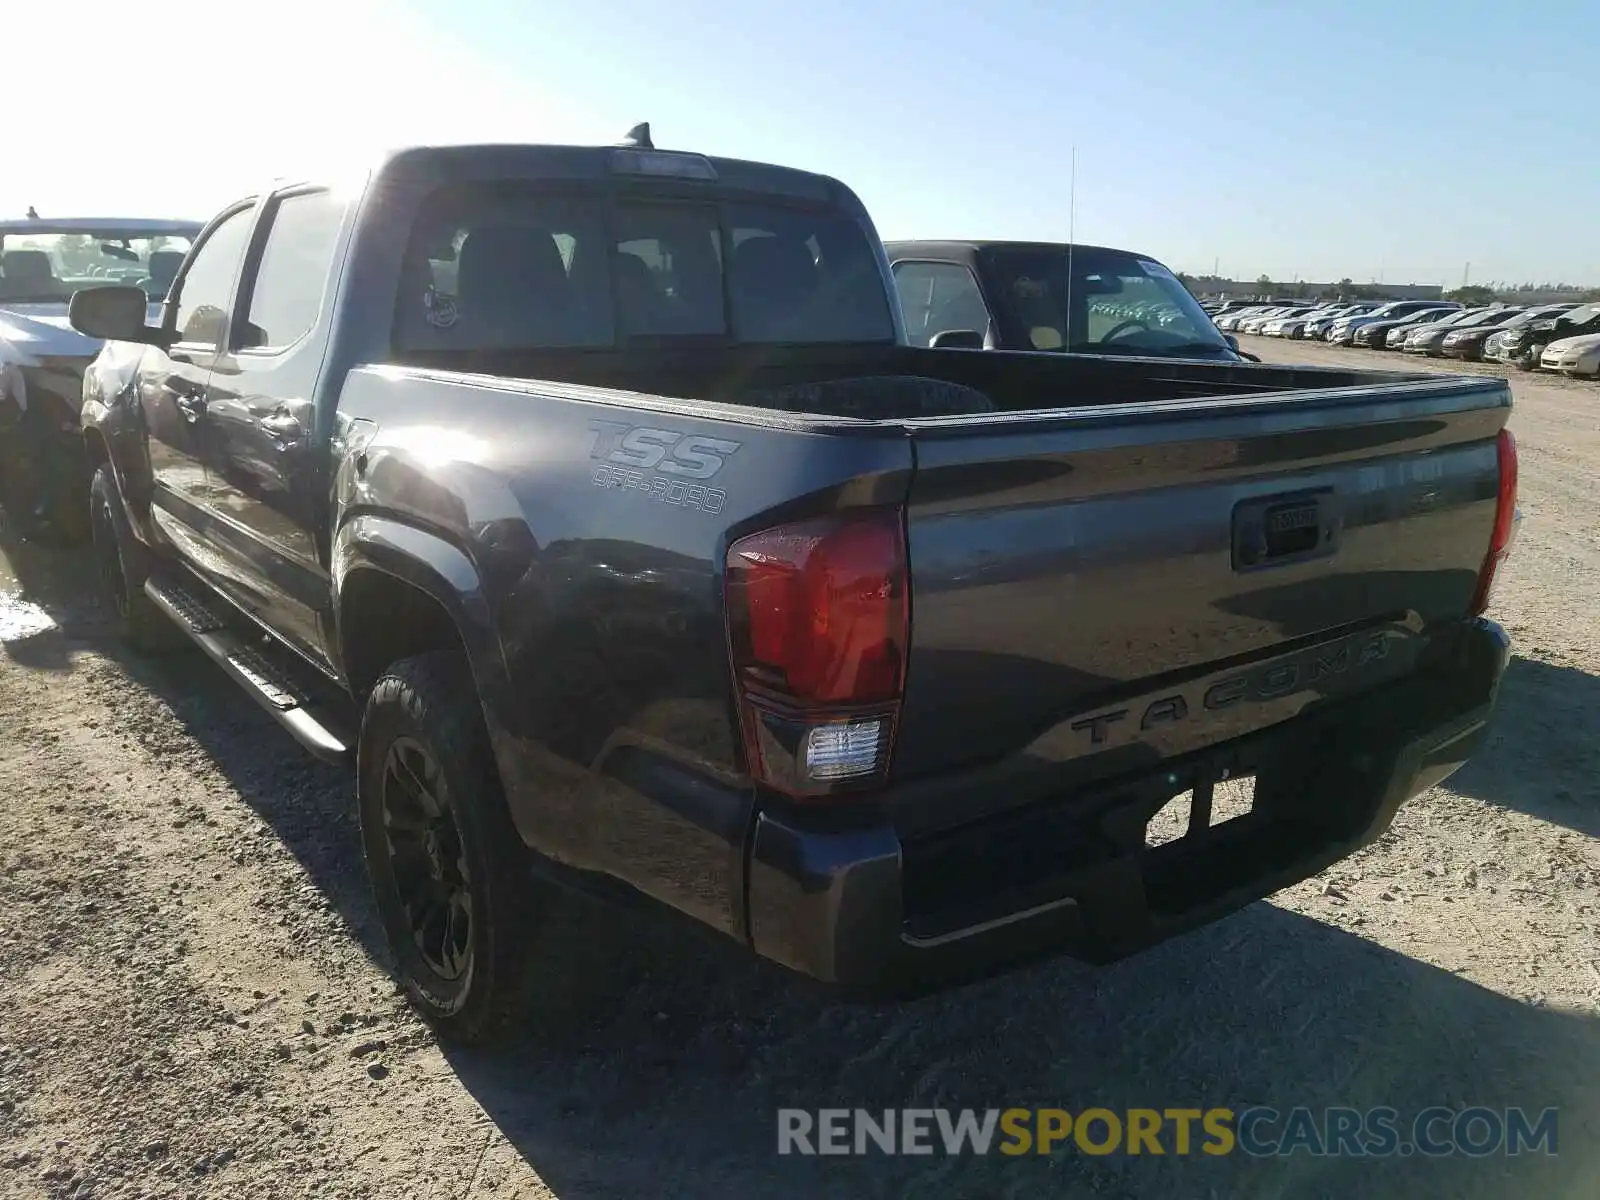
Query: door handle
[(283, 428)]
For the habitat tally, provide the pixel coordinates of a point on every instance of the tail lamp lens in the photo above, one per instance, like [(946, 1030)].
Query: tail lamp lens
[(817, 623), (1505, 520)]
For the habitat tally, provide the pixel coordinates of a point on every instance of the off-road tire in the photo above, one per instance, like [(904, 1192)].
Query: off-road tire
[(124, 566), (430, 701)]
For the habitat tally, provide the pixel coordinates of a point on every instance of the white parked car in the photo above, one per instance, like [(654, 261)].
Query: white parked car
[(42, 358), (1290, 327), (1573, 356)]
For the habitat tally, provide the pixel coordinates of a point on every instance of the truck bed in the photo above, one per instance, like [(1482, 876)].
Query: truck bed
[(1079, 548), (790, 379)]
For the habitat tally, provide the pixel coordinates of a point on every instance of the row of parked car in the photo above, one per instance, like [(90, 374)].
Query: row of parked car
[(1556, 337)]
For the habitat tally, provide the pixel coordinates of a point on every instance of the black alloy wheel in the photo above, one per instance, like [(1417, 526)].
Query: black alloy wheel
[(432, 880), (451, 877)]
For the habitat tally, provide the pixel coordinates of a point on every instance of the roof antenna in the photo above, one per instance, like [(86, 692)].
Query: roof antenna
[(639, 137), (33, 213)]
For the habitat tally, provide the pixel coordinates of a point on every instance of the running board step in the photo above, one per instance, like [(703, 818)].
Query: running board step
[(270, 688)]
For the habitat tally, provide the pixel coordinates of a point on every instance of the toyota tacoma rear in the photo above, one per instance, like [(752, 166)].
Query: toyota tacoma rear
[(591, 502)]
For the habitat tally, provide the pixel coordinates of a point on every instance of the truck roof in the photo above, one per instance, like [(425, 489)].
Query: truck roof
[(463, 162)]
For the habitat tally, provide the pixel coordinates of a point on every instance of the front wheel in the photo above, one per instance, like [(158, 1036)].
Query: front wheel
[(449, 873), (124, 565)]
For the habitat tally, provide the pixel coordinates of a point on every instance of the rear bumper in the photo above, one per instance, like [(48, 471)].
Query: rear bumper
[(879, 915)]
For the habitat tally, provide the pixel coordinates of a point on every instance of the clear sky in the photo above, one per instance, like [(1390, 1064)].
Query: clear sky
[(1393, 139)]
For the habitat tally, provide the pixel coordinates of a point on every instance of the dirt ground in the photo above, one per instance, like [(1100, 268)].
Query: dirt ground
[(193, 1000)]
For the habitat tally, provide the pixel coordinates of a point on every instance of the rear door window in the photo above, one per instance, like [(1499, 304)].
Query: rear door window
[(287, 292)]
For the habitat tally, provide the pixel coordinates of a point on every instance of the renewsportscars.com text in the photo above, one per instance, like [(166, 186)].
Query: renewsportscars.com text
[(1258, 1131)]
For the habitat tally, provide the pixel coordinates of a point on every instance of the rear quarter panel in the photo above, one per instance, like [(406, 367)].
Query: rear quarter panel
[(595, 524)]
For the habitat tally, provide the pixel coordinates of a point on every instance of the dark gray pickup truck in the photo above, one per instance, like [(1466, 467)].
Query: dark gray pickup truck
[(593, 502)]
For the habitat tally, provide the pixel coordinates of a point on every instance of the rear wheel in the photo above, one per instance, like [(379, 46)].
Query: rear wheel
[(124, 565), (449, 873)]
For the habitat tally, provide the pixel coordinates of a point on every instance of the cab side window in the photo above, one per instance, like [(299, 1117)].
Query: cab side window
[(207, 286), (938, 297)]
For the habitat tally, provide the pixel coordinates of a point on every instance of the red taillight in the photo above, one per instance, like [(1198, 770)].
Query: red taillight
[(817, 625), (1505, 520)]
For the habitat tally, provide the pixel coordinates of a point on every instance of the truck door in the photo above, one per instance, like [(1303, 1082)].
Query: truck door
[(173, 383), (268, 482)]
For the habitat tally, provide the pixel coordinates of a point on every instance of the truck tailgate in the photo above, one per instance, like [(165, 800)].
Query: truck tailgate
[(1108, 586)]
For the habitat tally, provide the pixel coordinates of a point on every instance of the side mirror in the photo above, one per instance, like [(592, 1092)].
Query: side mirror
[(957, 339), (1233, 342), (114, 313)]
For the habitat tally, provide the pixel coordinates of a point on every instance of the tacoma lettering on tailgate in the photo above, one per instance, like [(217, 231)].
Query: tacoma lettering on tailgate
[(1329, 668)]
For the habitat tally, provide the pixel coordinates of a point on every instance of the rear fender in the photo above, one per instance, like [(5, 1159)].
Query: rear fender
[(433, 565), (442, 571)]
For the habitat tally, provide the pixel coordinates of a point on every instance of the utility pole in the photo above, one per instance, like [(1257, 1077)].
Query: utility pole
[(1466, 271)]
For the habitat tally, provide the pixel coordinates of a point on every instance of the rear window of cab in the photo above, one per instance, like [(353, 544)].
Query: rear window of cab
[(513, 267)]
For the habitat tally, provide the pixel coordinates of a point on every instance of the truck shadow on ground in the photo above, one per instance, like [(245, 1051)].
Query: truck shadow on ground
[(657, 1060), (1542, 757), (674, 1088)]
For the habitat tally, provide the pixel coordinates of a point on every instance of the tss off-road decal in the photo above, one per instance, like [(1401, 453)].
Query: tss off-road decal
[(665, 464)]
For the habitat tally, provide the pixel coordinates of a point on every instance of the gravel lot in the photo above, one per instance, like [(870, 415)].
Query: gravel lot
[(193, 1000)]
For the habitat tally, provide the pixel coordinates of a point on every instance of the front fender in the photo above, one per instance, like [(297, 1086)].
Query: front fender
[(112, 425)]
